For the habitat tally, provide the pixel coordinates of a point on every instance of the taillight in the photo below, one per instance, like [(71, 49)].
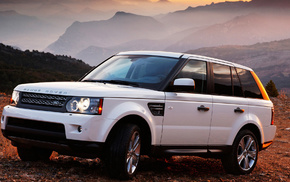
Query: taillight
[(272, 116)]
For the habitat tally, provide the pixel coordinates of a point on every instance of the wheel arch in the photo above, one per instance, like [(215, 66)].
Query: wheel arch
[(146, 133), (255, 130)]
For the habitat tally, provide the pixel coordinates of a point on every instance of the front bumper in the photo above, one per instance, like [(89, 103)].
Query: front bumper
[(66, 133), (65, 147)]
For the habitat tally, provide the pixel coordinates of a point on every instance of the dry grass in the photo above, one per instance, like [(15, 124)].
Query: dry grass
[(6, 149)]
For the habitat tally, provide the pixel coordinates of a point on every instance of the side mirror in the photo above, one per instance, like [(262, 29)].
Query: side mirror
[(184, 82)]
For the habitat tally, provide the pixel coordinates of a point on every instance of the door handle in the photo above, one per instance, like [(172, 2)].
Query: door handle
[(239, 110), (202, 108)]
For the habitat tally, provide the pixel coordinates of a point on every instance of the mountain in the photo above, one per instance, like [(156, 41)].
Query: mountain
[(93, 55), (204, 15), (18, 66), (217, 13), (122, 27), (242, 30), (226, 23), (270, 60), (24, 31)]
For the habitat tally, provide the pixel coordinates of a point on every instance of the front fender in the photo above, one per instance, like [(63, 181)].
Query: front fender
[(120, 108)]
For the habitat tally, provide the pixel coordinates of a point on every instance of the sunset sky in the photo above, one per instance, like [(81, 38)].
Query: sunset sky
[(143, 7)]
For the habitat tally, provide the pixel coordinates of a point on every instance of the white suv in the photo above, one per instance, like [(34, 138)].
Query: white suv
[(149, 103)]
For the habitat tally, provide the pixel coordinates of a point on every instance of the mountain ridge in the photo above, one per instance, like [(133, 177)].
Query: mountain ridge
[(122, 27), (270, 60)]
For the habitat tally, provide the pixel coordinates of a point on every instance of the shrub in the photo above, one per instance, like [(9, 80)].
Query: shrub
[(271, 89)]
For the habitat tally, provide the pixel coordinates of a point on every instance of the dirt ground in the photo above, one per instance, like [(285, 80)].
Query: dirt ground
[(273, 163)]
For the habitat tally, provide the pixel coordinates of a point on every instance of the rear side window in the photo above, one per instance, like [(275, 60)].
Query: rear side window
[(222, 79), (249, 85), (238, 91)]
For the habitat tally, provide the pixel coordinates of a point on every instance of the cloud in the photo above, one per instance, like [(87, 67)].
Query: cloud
[(164, 1)]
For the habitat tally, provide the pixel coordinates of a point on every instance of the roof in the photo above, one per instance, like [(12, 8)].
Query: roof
[(185, 56)]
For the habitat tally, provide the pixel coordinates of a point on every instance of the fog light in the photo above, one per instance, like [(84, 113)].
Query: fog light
[(80, 129)]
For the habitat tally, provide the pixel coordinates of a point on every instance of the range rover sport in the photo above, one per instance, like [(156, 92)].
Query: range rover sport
[(145, 103)]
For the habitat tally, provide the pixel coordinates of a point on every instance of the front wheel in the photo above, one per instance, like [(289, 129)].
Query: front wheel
[(244, 154), (124, 152)]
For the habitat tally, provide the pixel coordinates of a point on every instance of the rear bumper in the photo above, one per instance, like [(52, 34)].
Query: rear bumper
[(269, 135), (266, 145)]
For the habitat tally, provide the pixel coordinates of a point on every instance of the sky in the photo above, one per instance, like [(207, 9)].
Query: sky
[(142, 7)]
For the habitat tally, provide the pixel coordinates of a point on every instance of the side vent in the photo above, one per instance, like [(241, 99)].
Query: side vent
[(157, 109)]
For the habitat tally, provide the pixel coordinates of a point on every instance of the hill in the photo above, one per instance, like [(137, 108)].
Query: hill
[(216, 13), (18, 66), (270, 60), (26, 31), (242, 30), (122, 27)]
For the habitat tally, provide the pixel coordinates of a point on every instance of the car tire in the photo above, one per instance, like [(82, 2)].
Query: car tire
[(243, 156), (124, 152), (33, 154)]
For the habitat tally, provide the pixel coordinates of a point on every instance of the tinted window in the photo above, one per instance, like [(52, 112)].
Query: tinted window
[(249, 85), (197, 71), (236, 83), (222, 79)]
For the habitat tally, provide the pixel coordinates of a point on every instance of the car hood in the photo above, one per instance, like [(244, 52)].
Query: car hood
[(90, 89)]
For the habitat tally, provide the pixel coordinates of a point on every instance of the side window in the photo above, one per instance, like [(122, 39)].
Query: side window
[(222, 79), (238, 91), (249, 85), (197, 71)]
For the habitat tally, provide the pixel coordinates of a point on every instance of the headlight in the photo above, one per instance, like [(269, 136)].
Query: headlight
[(85, 105), (15, 98)]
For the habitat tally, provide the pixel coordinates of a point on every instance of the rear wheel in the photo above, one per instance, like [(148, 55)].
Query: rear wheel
[(33, 154), (244, 155), (124, 152)]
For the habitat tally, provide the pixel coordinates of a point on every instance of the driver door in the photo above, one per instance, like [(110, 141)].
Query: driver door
[(188, 110)]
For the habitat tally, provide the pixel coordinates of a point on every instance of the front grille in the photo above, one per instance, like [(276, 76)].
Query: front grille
[(43, 99)]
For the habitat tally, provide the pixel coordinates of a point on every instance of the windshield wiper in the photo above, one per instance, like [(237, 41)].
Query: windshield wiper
[(121, 82), (89, 80)]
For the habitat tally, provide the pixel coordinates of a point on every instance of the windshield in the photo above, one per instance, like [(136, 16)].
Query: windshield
[(141, 71)]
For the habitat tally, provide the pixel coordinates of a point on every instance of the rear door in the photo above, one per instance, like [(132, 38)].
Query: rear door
[(229, 105)]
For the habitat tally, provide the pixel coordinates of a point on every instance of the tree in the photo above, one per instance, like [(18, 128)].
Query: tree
[(271, 89)]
